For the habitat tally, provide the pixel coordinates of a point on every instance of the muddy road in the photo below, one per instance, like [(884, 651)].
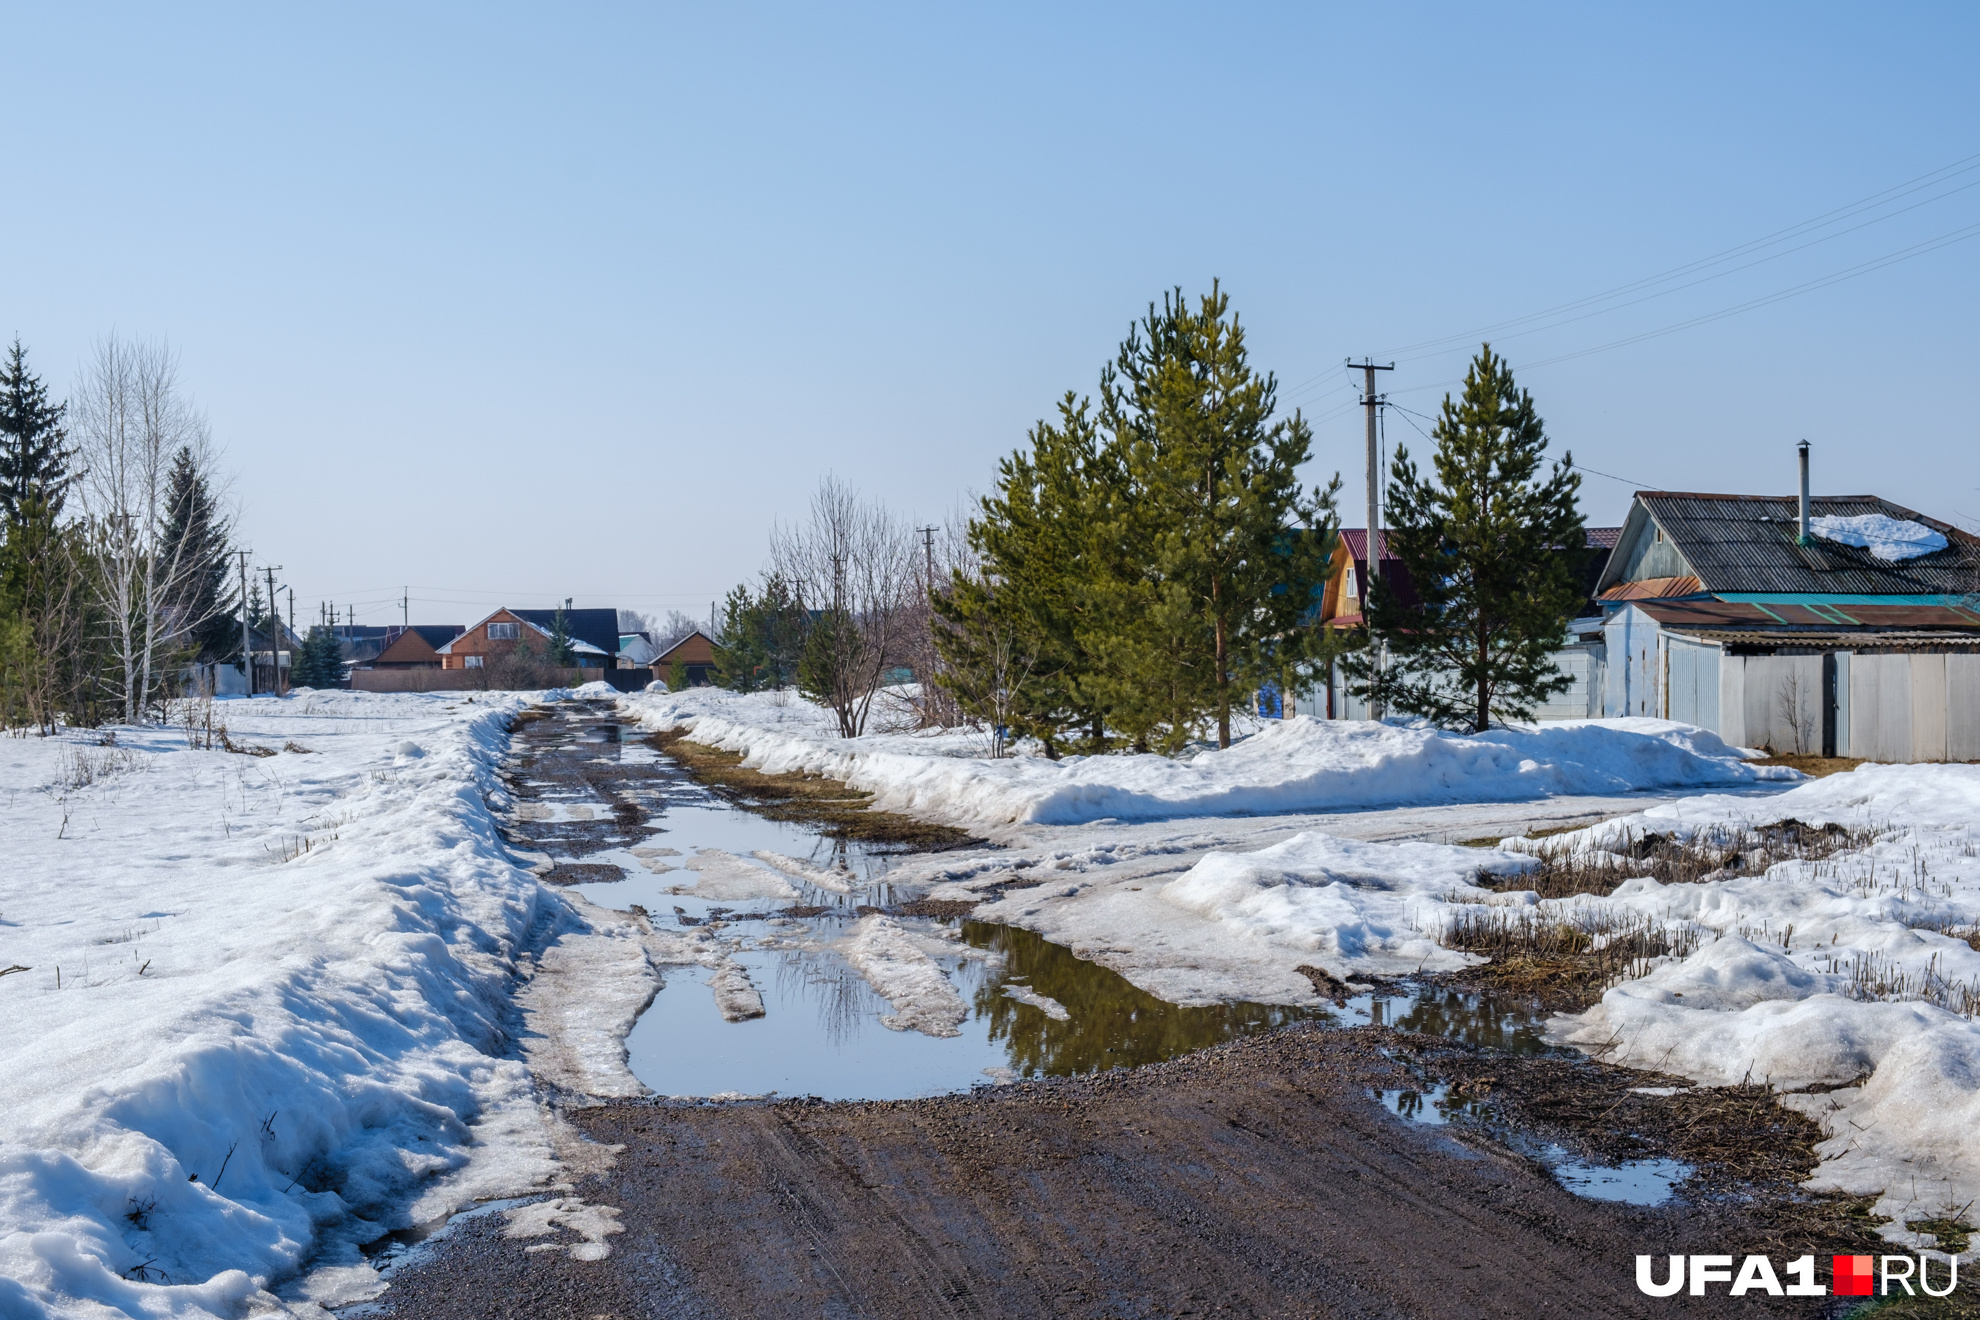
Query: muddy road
[(1263, 1175)]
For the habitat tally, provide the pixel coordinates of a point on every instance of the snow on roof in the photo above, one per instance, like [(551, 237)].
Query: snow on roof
[(1885, 537)]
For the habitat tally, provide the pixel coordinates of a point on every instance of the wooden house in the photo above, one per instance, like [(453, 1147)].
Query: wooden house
[(417, 647), (505, 630), (694, 653)]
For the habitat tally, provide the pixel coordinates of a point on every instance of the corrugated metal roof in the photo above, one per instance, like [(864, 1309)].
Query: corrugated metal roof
[(1654, 588), (1747, 543)]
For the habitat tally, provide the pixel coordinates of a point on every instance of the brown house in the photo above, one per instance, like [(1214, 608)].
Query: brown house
[(503, 631), (417, 647), (695, 653)]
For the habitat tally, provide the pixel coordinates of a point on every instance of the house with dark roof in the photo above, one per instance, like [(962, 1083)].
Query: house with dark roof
[(1840, 625)]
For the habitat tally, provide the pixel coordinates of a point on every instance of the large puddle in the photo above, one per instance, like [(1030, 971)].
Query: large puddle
[(782, 903)]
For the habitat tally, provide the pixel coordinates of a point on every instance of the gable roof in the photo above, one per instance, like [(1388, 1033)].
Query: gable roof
[(667, 655), (578, 643), (1748, 543)]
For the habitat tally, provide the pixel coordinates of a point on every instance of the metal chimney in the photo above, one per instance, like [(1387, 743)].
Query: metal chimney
[(1803, 450)]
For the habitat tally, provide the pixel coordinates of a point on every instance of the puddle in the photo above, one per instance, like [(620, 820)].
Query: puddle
[(1433, 1107), (693, 859), (1635, 1182), (1508, 1023)]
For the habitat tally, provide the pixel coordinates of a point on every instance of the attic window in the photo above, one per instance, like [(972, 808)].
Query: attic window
[(1660, 534), (504, 632)]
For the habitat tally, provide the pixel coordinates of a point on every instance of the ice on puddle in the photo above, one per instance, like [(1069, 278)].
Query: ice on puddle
[(891, 959)]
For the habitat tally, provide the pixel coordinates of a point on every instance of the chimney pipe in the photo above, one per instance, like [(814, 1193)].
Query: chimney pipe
[(1802, 448)]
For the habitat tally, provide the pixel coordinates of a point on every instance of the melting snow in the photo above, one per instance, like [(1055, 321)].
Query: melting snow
[(1885, 537)]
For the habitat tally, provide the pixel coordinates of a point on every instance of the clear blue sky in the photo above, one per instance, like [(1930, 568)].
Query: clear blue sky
[(510, 303)]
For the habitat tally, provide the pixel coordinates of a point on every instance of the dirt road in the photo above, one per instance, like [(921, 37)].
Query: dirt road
[(1257, 1178)]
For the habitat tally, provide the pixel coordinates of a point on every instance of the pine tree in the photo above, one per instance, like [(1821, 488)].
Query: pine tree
[(763, 637), (1020, 614), (1219, 550), (34, 456), (1492, 548), (194, 548)]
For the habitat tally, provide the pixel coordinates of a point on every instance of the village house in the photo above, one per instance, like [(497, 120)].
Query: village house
[(1838, 625), (693, 654), (1341, 606), (505, 630), (417, 647)]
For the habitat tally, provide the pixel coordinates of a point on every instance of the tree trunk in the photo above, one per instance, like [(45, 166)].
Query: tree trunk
[(1483, 719), (1223, 665)]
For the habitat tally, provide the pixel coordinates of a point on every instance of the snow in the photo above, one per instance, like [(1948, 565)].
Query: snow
[(1300, 764), (295, 968), (1045, 1004), (1890, 1070), (891, 959), (1885, 537)]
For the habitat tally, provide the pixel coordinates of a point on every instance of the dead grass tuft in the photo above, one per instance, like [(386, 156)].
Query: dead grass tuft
[(1710, 854), (1563, 957)]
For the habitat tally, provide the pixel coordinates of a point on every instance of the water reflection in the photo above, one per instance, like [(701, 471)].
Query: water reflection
[(1109, 1022)]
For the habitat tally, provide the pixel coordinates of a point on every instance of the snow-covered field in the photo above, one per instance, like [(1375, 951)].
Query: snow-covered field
[(259, 1007), (1301, 764)]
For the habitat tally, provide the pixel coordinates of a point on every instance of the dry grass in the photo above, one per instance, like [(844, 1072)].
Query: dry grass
[(1565, 958), (1710, 854), (834, 810), (82, 766), (1815, 767)]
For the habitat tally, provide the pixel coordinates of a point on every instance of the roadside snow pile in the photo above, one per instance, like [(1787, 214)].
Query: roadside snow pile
[(1301, 764), (1893, 539), (1856, 972), (258, 1001)]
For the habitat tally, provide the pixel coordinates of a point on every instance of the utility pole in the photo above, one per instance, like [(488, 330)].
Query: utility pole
[(292, 611), (274, 640), (247, 648), (405, 607), (1372, 401), (928, 551)]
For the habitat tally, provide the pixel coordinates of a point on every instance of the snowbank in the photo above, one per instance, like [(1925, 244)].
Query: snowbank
[(259, 1001), (1301, 764), (1848, 980)]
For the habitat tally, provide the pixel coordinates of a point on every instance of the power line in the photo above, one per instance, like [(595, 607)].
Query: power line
[(1894, 193)]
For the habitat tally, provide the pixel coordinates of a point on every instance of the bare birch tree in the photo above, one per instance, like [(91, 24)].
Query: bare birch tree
[(853, 567), (129, 416)]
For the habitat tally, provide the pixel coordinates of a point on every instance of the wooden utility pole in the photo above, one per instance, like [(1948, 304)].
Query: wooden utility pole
[(1372, 401)]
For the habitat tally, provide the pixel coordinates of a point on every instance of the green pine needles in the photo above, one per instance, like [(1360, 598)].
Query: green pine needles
[(1491, 547), (1149, 565)]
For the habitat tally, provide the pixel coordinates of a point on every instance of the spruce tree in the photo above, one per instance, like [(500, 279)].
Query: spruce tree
[(560, 653), (194, 549), (34, 455), (1219, 550), (1491, 546)]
